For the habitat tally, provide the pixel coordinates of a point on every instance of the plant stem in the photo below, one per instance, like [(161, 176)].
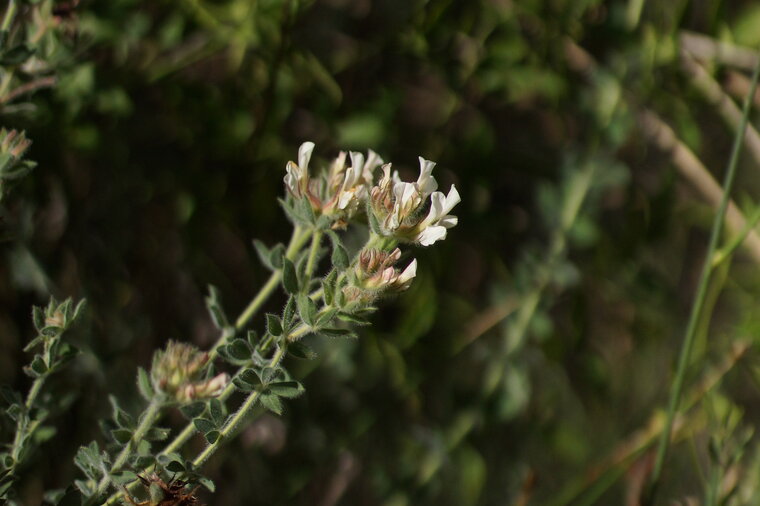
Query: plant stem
[(149, 417), (297, 240), (694, 317), (239, 416), (10, 13), (316, 239), (22, 425)]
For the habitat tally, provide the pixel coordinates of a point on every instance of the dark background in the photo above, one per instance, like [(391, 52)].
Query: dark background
[(161, 154)]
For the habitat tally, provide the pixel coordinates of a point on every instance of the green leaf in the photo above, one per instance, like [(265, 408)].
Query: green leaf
[(326, 317), (252, 338), (307, 310), (328, 287), (276, 256), (289, 277), (175, 466), (214, 306), (242, 385), (66, 310), (121, 436), (51, 331), (352, 318), (287, 389), (246, 381), (124, 477), (38, 317), (268, 374), (144, 384), (250, 376), (303, 210), (34, 342), (193, 410), (212, 436), (38, 366), (288, 313), (337, 333), (239, 349), (216, 410), (206, 482), (339, 256), (157, 434), (6, 460), (271, 402), (204, 425), (81, 306), (300, 350), (274, 325), (122, 419), (263, 252)]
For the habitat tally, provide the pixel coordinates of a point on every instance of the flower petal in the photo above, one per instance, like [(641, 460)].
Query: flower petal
[(452, 199), (431, 234), (304, 154), (409, 273), (426, 182)]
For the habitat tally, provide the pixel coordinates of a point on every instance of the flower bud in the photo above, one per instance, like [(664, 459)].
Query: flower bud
[(178, 372), (375, 274)]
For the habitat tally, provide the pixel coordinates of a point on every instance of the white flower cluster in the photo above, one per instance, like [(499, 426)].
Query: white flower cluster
[(398, 207)]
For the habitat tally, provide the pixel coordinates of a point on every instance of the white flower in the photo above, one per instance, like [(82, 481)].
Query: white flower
[(404, 279), (358, 178), (368, 169), (297, 176), (434, 227), (426, 183)]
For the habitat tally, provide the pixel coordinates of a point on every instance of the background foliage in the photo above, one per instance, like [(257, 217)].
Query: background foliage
[(529, 363)]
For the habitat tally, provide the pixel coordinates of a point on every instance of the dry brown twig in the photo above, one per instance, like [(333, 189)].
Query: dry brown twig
[(689, 166), (714, 94), (706, 48)]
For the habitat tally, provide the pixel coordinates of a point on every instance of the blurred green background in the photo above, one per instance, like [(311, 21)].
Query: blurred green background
[(537, 341)]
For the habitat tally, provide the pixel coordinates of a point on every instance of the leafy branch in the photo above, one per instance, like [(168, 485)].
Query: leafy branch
[(30, 414)]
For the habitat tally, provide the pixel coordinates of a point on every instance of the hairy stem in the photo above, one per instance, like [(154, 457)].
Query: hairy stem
[(22, 425), (297, 241), (149, 417), (233, 423), (316, 239)]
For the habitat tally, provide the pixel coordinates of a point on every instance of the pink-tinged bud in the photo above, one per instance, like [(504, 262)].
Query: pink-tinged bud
[(376, 272), (178, 372)]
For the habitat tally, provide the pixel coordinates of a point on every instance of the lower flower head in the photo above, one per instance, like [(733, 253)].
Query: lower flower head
[(178, 371)]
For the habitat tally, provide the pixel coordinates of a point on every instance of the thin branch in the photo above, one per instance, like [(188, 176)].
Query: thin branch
[(692, 169), (736, 84), (714, 94), (708, 49), (37, 84), (689, 166)]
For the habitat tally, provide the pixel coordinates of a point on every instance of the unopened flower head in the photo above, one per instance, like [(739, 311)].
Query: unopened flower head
[(399, 206), (178, 371), (376, 271)]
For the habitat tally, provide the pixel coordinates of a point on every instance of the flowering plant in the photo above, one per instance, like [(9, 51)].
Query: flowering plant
[(201, 383)]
